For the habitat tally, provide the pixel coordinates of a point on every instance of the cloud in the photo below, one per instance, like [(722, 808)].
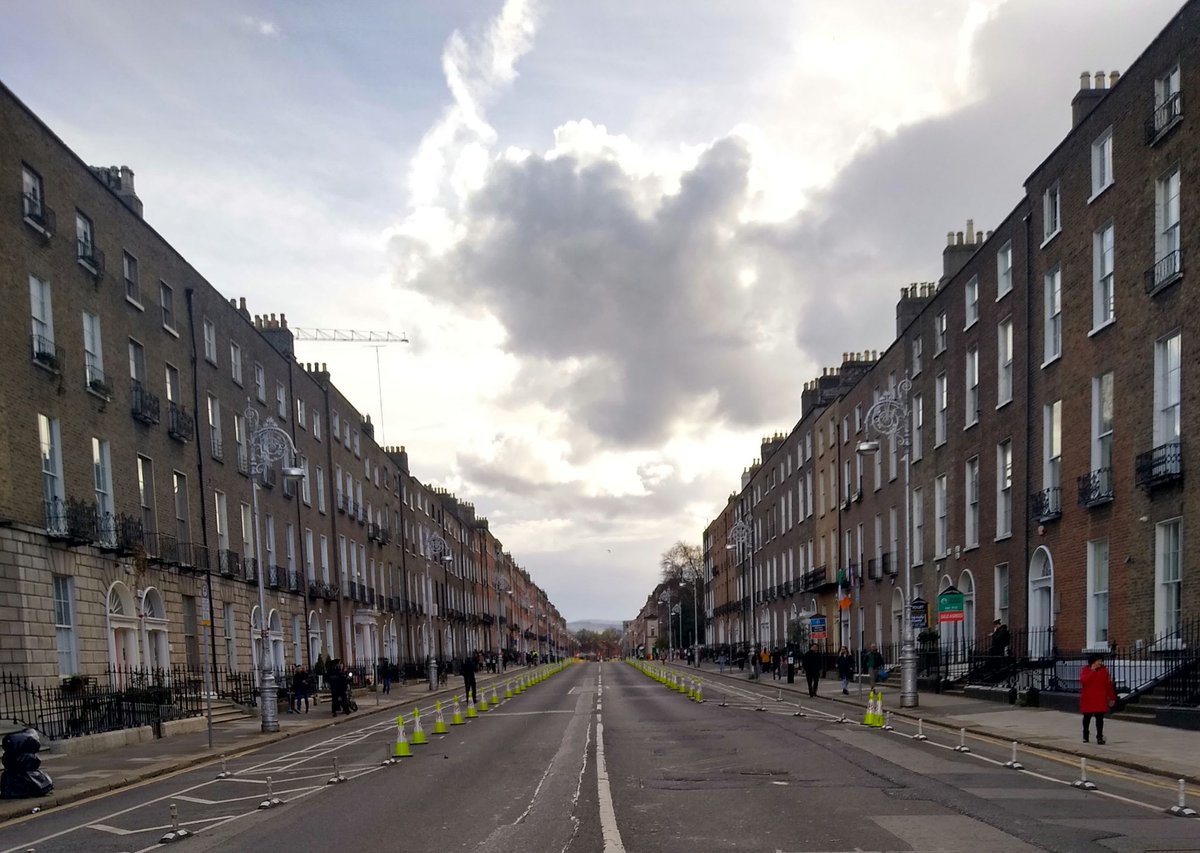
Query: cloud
[(261, 26)]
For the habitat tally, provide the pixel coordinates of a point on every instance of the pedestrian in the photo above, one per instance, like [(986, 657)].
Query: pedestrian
[(468, 674), (300, 689), (721, 662), (811, 661), (845, 669), (873, 664), (1097, 695), (385, 674), (339, 688)]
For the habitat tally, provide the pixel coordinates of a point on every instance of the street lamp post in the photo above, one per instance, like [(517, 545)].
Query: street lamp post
[(268, 444), (666, 598), (438, 550), (890, 416), (741, 535)]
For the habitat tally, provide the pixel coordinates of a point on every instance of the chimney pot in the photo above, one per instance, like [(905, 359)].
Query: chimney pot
[(978, 236), (958, 238), (1085, 81), (1098, 83), (949, 238), (242, 303), (1113, 77), (970, 228)]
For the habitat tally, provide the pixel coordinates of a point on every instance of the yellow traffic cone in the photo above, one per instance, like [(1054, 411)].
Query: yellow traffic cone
[(508, 690), (456, 719), (699, 690), (439, 722), (401, 749), (876, 709), (495, 698), (471, 715), (418, 732), (869, 715)]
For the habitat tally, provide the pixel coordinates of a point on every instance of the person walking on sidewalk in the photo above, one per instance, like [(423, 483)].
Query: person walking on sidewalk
[(845, 668), (468, 674), (873, 663), (811, 661), (1097, 695), (300, 688), (339, 688)]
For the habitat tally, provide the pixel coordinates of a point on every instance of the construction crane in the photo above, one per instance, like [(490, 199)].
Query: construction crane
[(375, 339)]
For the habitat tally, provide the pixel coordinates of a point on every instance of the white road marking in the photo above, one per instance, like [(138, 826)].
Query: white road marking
[(115, 830), (608, 815)]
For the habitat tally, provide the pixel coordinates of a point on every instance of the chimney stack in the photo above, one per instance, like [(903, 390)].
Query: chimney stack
[(1092, 89)]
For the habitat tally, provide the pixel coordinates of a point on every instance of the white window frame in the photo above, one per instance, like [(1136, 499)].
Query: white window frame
[(917, 545), (281, 401), (1102, 163), (940, 408), (1051, 212), (1000, 592), (93, 351), (971, 302), (41, 312), (1104, 294), (50, 440), (1168, 579), (316, 424), (1052, 445), (971, 379), (65, 636), (210, 341), (235, 362), (102, 482), (1167, 214), (940, 333), (941, 516), (166, 304), (1052, 317), (971, 487), (260, 382), (1098, 564), (917, 445), (1004, 488), (918, 353), (1004, 271), (1103, 406), (1004, 362), (1168, 368), (320, 489)]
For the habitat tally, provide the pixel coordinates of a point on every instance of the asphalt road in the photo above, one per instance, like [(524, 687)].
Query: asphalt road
[(602, 759)]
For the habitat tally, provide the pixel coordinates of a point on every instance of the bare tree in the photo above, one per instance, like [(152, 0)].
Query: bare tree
[(683, 568)]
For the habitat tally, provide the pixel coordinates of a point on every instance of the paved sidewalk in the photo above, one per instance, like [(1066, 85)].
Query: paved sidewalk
[(78, 776), (1161, 750)]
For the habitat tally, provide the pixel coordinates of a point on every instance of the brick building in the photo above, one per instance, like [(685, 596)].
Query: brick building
[(1048, 407), (130, 394)]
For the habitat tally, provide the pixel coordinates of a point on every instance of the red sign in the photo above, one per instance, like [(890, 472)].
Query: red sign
[(950, 616)]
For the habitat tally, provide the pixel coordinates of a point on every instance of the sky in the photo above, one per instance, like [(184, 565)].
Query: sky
[(620, 236)]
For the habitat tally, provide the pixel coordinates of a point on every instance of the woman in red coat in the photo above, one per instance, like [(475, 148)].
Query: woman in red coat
[(1097, 695)]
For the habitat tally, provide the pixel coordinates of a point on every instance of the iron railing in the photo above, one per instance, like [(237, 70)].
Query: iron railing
[(1163, 117), (229, 563), (47, 353), (1160, 465), (144, 405), (37, 213), (1096, 488), (181, 426), (1046, 504), (89, 254), (1165, 270), (96, 382)]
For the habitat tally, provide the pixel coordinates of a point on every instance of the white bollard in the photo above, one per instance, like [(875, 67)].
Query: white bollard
[(1082, 782), (1013, 764), (962, 741), (799, 710), (920, 735), (1181, 809), (176, 832), (337, 778)]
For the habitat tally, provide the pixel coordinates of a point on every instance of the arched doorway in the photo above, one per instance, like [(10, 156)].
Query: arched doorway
[(157, 649), (1041, 603), (122, 628), (275, 638), (966, 585), (314, 638), (897, 616), (256, 640)]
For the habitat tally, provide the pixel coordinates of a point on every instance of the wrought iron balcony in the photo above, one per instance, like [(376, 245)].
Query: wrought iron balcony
[(1046, 505), (889, 563), (314, 589), (143, 405), (373, 532), (46, 354), (71, 519), (162, 548), (1163, 464), (90, 257), (243, 460), (273, 577), (96, 382), (38, 216), (192, 555), (229, 563), (329, 591), (217, 446), (1096, 488), (815, 579), (249, 569), (181, 426), (293, 580), (353, 590), (1166, 270), (1164, 117)]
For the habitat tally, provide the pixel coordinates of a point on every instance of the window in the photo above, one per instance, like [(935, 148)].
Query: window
[(93, 355), (301, 418), (1004, 472), (1167, 366), (281, 405), (1052, 342), (306, 483), (310, 565), (1102, 426), (971, 484), (1167, 106), (214, 427), (228, 627), (1004, 276), (137, 362), (166, 298), (1102, 163), (941, 511), (316, 424), (239, 440), (172, 377), (222, 520), (102, 482), (324, 558), (971, 297), (339, 496), (1167, 228), (939, 334), (918, 427), (971, 405), (1103, 292), (320, 489), (85, 239), (1004, 362), (64, 625), (247, 532), (42, 315), (290, 548), (133, 290), (235, 361), (182, 527), (1051, 213), (50, 439), (145, 471), (269, 540), (918, 522), (1052, 445), (1097, 594), (356, 443), (335, 426), (939, 415), (33, 194), (1000, 586), (918, 349), (210, 341), (1168, 575), (260, 383)]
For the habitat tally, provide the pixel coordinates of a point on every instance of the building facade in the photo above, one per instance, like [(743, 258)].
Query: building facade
[(128, 537)]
